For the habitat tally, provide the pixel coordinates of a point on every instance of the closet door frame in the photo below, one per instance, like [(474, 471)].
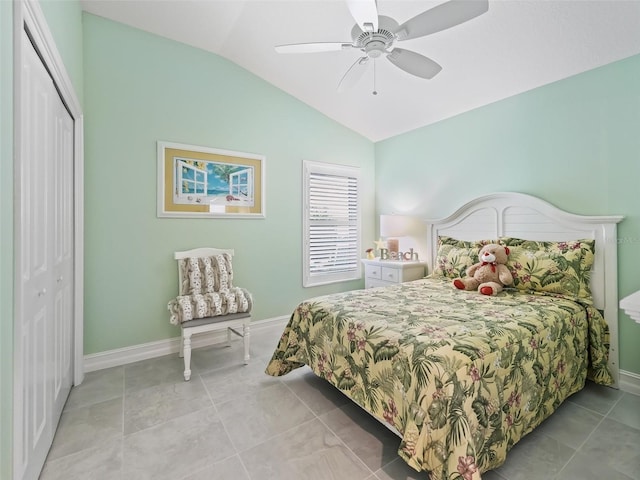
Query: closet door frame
[(28, 17)]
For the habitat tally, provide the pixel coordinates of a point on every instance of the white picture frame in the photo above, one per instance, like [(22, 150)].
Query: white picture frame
[(204, 182)]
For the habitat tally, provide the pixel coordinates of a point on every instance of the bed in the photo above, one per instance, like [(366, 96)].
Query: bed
[(461, 377)]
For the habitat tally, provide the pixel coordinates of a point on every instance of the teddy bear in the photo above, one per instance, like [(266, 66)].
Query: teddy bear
[(490, 274)]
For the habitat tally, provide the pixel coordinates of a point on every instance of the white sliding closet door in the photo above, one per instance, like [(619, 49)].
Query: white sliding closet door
[(44, 246), (62, 257)]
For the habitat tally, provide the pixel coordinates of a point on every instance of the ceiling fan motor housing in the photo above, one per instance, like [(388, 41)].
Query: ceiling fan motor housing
[(374, 44)]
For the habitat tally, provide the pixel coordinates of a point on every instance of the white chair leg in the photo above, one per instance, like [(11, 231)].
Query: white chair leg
[(181, 352), (246, 334), (187, 354)]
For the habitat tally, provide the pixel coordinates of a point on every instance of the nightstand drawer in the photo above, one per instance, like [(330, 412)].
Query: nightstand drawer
[(390, 274), (383, 273), (373, 271)]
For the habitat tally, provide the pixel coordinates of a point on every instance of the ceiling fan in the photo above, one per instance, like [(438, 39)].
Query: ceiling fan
[(376, 35)]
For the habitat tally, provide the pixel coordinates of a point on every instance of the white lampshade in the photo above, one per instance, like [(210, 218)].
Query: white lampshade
[(396, 225)]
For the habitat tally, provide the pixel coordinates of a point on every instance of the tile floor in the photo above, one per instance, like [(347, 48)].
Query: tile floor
[(142, 421)]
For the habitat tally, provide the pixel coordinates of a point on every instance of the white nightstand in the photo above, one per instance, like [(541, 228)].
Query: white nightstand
[(381, 273)]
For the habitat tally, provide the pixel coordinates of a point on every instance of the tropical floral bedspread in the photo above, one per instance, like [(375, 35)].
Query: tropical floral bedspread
[(461, 376)]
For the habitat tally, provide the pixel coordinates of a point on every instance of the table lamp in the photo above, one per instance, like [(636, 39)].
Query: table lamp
[(392, 226)]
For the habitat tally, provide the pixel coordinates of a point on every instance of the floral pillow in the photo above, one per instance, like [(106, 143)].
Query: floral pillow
[(552, 267), (455, 256)]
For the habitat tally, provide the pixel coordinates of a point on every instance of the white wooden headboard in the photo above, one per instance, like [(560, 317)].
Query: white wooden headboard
[(509, 214)]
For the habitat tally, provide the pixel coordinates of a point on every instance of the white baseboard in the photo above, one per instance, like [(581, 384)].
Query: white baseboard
[(144, 351), (630, 382)]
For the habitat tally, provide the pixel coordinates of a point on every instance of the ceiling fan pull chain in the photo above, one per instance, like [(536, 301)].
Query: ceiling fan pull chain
[(375, 92)]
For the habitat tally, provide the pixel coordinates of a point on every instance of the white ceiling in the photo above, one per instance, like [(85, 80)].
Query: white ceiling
[(514, 47)]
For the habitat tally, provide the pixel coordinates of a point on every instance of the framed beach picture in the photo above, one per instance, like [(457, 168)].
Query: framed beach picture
[(198, 181)]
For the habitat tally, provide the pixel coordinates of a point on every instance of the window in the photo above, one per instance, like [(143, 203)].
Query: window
[(241, 183), (331, 223), (192, 181)]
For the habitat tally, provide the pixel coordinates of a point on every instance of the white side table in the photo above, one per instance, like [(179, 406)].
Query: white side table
[(381, 273)]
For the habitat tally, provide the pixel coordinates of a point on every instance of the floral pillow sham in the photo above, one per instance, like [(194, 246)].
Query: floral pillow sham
[(552, 267), (562, 268), (455, 256)]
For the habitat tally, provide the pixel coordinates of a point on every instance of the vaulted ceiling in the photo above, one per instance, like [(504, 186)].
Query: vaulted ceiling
[(517, 45)]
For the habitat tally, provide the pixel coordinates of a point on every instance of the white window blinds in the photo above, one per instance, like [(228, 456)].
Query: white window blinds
[(331, 224)]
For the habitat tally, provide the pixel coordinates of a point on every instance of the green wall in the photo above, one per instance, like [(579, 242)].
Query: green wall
[(141, 88), (574, 143)]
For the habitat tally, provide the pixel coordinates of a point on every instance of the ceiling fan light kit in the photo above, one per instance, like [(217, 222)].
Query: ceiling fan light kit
[(376, 35)]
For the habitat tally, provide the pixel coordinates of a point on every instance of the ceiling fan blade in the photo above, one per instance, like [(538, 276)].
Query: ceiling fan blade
[(365, 13), (312, 47), (441, 17), (354, 74), (414, 63)]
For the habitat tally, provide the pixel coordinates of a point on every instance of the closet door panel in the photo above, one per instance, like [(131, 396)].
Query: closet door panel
[(35, 259), (45, 283), (62, 257)]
